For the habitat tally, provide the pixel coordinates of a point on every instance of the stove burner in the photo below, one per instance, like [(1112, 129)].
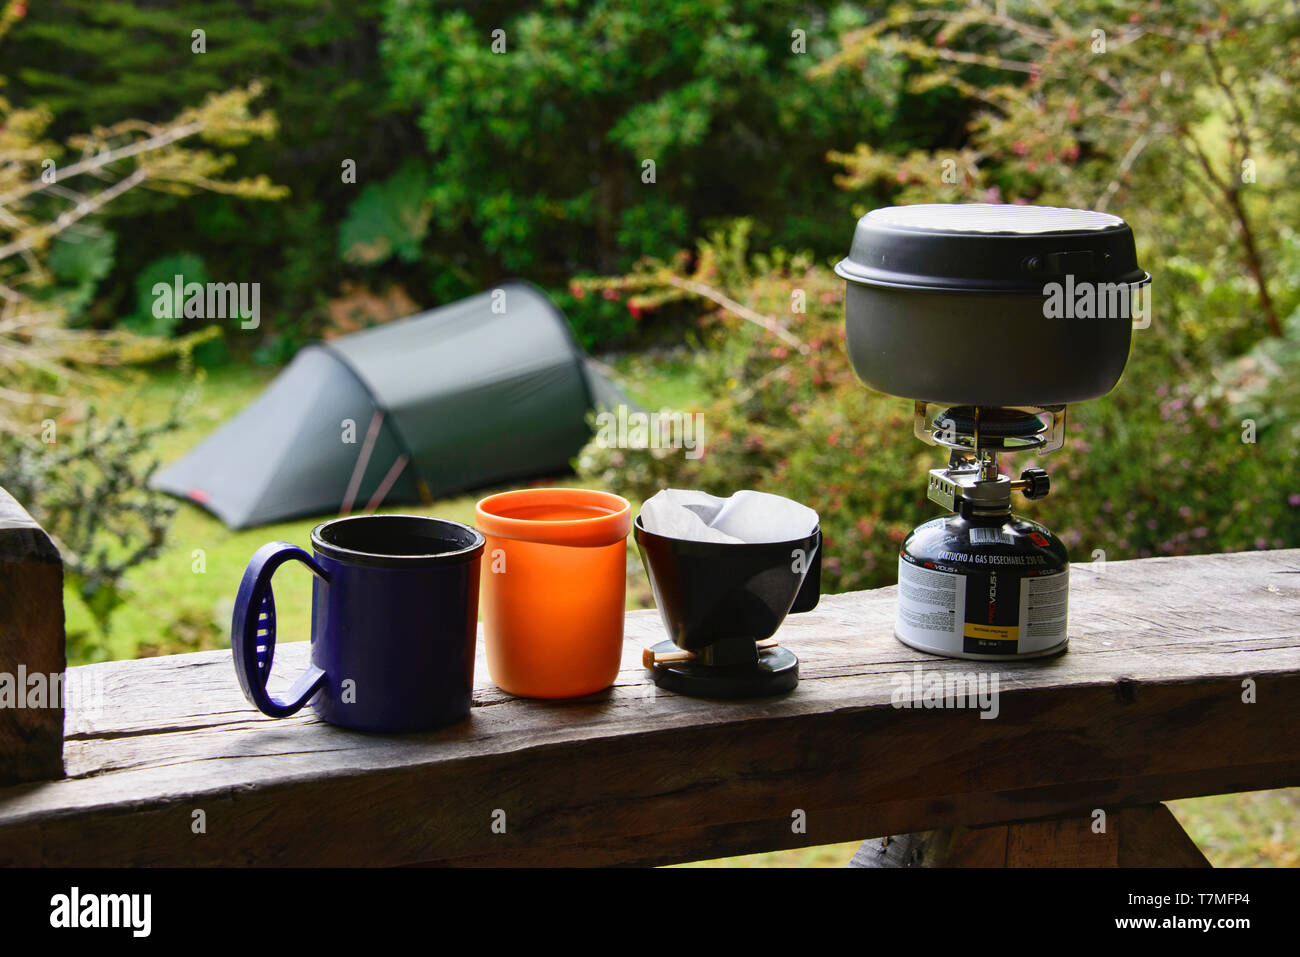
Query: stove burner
[(974, 429), (994, 422)]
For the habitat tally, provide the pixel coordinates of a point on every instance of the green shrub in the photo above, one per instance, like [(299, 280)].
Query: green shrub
[(79, 261), (88, 487), (538, 148), (390, 218), (596, 319), (145, 319)]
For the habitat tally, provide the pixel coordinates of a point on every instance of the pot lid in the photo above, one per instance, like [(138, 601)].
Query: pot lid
[(988, 247)]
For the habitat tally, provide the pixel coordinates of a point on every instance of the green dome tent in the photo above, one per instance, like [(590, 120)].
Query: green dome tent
[(485, 390)]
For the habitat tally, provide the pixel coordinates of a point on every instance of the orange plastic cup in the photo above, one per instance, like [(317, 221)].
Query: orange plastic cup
[(554, 589)]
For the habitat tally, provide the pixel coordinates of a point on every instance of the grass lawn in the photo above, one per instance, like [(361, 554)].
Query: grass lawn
[(175, 608)]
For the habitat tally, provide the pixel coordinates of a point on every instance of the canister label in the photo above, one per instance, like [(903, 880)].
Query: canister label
[(990, 609), (1044, 610), (929, 602)]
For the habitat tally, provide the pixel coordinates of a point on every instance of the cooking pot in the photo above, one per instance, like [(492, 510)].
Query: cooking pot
[(992, 305)]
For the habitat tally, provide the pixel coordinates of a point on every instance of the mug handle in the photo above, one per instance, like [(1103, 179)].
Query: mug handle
[(810, 592), (252, 632)]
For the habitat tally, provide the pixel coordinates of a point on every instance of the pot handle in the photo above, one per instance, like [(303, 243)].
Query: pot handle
[(252, 632), (810, 591)]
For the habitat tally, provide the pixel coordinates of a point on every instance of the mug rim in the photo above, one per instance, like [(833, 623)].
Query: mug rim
[(593, 530), (357, 557)]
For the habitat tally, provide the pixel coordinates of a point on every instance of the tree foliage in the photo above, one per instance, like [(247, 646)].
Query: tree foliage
[(86, 479), (1167, 114), (53, 254), (91, 62), (541, 118)]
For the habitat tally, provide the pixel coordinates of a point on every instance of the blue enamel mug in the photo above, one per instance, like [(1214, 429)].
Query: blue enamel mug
[(394, 623)]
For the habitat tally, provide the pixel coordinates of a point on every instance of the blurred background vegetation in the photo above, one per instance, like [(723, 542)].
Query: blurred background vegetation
[(365, 160)]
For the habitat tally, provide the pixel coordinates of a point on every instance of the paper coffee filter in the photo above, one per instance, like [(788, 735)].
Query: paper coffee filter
[(747, 517)]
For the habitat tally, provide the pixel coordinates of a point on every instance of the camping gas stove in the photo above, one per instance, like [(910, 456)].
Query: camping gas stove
[(982, 582), (963, 309)]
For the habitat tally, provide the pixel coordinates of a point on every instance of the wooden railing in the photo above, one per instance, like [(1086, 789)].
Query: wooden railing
[(1182, 679)]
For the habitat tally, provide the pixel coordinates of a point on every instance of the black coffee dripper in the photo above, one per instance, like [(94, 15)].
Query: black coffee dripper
[(718, 600)]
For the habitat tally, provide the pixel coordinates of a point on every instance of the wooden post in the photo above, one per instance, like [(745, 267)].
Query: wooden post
[(31, 648), (1144, 836)]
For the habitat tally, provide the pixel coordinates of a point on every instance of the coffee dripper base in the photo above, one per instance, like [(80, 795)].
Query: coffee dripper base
[(776, 672)]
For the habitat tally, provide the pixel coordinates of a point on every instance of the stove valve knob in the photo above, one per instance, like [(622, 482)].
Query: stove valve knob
[(1037, 483)]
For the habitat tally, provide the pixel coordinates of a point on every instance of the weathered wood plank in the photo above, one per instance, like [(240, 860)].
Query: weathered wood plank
[(1145, 835), (31, 648), (1147, 706), (1150, 836)]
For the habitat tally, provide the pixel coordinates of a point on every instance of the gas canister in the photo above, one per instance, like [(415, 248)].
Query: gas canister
[(985, 588)]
